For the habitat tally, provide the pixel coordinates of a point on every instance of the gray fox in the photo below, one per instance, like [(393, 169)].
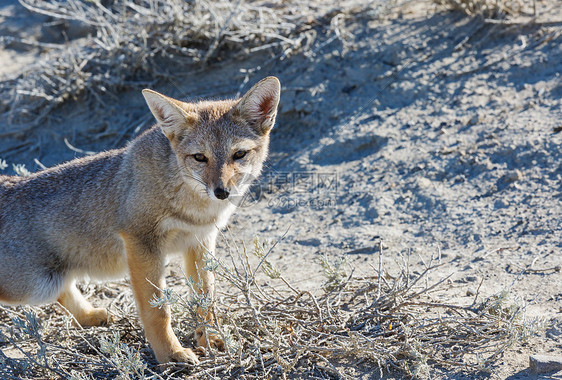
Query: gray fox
[(124, 210)]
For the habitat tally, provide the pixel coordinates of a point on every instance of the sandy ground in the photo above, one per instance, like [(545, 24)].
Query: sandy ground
[(429, 133)]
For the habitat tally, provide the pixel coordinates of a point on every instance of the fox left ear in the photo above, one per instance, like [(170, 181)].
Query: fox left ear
[(259, 105)]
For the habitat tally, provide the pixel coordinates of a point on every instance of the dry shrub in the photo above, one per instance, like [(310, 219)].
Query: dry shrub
[(493, 9), (273, 330), (134, 43)]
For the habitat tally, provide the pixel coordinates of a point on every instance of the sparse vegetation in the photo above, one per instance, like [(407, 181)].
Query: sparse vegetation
[(133, 43), (494, 9), (389, 322)]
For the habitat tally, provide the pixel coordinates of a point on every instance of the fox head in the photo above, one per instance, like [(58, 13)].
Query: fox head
[(220, 146)]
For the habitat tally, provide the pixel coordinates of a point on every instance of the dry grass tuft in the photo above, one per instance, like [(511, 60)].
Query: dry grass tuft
[(134, 43), (492, 9), (383, 322)]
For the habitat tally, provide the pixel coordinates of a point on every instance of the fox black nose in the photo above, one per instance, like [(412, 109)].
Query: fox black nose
[(221, 193)]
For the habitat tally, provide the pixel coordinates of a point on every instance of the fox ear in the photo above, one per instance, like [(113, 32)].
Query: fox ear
[(170, 113), (258, 106)]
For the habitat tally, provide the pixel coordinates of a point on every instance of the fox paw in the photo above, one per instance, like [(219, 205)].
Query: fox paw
[(214, 341), (95, 317), (184, 355)]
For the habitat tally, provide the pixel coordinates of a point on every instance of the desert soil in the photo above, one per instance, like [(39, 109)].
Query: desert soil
[(426, 132)]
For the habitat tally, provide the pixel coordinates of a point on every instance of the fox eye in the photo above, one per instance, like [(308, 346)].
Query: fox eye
[(200, 157), (239, 155)]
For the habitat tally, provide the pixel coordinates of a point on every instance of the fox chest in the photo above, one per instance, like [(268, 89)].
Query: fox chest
[(180, 236)]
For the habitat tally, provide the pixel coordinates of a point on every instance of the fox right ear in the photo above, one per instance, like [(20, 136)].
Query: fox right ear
[(170, 113)]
